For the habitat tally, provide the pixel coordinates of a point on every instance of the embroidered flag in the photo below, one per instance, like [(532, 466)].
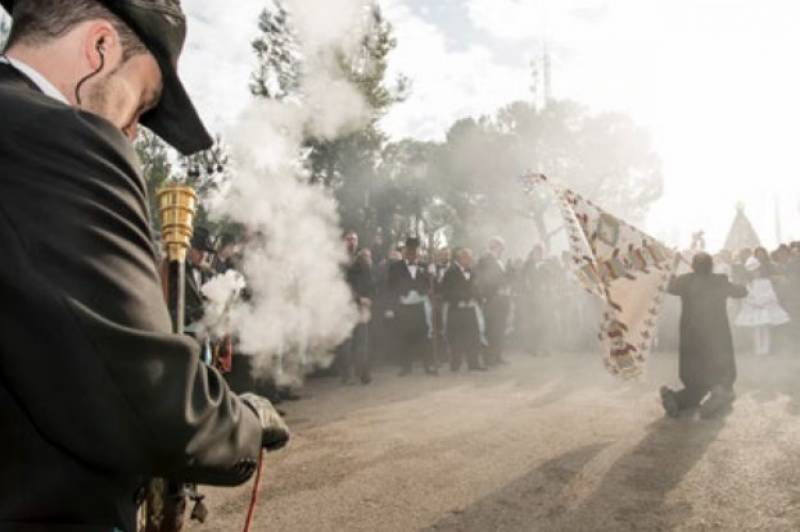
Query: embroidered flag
[(623, 266)]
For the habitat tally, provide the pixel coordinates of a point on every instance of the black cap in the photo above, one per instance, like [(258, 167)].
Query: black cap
[(412, 242), (161, 26), (201, 239)]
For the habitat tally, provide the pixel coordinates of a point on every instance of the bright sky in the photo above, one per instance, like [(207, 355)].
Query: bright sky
[(716, 81)]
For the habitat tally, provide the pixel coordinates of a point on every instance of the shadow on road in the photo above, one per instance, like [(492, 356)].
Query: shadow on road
[(519, 504), (633, 494)]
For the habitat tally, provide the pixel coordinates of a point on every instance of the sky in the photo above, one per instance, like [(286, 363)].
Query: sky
[(716, 83)]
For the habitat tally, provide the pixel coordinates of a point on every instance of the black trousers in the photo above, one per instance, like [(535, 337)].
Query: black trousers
[(354, 354), (411, 336), (463, 336), (496, 315)]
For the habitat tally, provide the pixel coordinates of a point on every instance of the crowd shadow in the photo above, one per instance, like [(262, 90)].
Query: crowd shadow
[(522, 502), (633, 493)]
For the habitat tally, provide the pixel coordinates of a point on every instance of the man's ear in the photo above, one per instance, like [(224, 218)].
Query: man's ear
[(101, 40)]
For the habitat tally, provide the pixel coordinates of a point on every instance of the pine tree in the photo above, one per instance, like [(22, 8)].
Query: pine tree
[(157, 168), (348, 165), (278, 53), (205, 172)]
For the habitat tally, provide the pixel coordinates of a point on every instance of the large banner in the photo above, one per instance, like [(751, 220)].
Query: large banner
[(623, 266)]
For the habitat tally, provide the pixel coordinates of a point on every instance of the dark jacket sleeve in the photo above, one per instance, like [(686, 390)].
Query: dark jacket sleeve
[(393, 283), (86, 349), (677, 285)]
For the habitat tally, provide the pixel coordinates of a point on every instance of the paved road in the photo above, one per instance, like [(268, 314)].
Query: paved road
[(540, 444)]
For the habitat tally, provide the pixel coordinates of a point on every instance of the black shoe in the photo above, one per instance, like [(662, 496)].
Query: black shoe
[(670, 402), (479, 368), (432, 371), (404, 372), (366, 379)]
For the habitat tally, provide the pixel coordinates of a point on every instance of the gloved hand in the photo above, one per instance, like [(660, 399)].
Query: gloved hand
[(275, 433), (389, 314)]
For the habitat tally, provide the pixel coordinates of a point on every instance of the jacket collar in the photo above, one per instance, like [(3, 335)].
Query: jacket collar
[(36, 78)]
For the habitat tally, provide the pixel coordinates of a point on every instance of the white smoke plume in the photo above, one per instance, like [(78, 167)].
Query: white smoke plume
[(300, 306), (222, 294)]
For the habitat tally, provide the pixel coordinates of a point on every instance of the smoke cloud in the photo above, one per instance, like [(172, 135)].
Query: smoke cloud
[(300, 307)]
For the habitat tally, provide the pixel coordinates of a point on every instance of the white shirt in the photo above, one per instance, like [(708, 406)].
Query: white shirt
[(39, 80), (198, 277), (412, 269), (467, 275)]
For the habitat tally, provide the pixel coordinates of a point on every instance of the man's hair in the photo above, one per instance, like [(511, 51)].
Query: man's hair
[(703, 264), (36, 22)]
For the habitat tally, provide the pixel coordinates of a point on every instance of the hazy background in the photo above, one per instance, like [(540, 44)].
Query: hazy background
[(714, 81)]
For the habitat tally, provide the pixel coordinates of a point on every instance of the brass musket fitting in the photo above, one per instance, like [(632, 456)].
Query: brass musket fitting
[(177, 205)]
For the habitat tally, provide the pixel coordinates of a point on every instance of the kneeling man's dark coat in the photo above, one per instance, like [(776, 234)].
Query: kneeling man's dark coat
[(706, 345)]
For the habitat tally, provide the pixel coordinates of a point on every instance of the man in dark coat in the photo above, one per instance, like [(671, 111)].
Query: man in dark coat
[(707, 363), (408, 285), (460, 297), (495, 286), (437, 271), (354, 353), (97, 395)]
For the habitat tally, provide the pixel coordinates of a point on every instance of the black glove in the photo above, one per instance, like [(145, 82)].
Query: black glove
[(275, 433)]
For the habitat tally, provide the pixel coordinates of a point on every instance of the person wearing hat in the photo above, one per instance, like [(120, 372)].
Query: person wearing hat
[(225, 254), (198, 273), (97, 396), (408, 285)]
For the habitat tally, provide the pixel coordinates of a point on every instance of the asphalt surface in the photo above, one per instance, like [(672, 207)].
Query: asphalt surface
[(539, 444)]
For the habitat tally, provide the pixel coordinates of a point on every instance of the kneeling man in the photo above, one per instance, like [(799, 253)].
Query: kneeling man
[(706, 364)]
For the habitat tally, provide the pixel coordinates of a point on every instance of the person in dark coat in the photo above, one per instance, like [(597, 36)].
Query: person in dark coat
[(97, 396), (354, 353), (460, 296), (707, 363), (437, 270), (408, 285), (495, 286), (198, 273)]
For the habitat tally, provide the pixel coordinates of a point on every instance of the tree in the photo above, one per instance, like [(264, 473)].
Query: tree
[(607, 157), (347, 165), (277, 50), (205, 172), (5, 28), (157, 168)]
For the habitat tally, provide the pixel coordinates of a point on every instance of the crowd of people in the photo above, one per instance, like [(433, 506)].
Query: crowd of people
[(439, 308), (765, 321), (457, 308)]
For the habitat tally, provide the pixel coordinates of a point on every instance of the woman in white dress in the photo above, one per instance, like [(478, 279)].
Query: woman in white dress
[(761, 310)]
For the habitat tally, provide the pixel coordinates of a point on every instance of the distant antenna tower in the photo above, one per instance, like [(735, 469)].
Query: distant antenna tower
[(547, 68), (542, 65), (542, 74)]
